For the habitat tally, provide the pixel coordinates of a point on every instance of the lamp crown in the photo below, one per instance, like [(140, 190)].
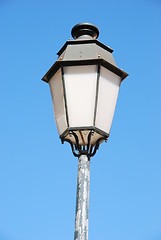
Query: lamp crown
[(85, 31)]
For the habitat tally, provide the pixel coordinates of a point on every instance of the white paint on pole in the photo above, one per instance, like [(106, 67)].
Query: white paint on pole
[(82, 200)]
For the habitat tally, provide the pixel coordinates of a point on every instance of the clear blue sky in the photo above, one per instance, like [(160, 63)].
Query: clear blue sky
[(37, 173)]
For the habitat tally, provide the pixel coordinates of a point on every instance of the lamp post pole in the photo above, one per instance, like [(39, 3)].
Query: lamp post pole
[(85, 66), (82, 199)]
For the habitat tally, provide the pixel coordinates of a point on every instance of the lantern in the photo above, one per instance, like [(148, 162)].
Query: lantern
[(84, 84)]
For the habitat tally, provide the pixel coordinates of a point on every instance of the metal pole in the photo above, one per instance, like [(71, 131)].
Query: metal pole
[(82, 199)]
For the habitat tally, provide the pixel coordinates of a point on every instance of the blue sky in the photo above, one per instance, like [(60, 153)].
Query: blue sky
[(37, 173)]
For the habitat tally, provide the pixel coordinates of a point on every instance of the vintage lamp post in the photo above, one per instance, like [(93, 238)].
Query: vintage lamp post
[(84, 84)]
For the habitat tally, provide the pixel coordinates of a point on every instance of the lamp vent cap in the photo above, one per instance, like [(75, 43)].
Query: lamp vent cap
[(84, 31)]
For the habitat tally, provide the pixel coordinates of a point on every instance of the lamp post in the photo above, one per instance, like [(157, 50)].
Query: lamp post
[(84, 84)]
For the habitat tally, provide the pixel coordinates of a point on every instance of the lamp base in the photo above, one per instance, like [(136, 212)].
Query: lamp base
[(89, 149)]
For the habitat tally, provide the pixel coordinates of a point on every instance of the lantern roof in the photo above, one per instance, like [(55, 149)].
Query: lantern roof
[(85, 50)]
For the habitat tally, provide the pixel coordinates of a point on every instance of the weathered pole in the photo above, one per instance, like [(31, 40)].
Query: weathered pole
[(82, 199)]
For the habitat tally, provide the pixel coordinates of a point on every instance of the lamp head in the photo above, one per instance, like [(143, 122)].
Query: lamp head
[(84, 84)]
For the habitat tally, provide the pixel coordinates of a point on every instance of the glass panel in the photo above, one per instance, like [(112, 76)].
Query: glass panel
[(80, 85), (57, 94), (109, 84)]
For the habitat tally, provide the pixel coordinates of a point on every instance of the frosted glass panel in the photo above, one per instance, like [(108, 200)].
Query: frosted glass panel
[(57, 93), (107, 96), (80, 84)]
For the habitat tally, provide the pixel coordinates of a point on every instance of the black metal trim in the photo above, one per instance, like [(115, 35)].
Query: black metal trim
[(97, 89), (90, 149), (85, 128), (97, 61), (96, 147), (89, 139), (65, 96), (72, 146)]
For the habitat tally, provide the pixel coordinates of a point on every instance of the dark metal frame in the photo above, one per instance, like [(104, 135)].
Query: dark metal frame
[(85, 128), (65, 99), (78, 149), (97, 89), (58, 64), (90, 149), (87, 149)]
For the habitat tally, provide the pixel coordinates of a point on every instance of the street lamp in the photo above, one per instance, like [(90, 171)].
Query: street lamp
[(84, 84)]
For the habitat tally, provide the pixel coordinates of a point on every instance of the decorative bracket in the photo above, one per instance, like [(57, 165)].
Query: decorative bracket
[(89, 150)]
